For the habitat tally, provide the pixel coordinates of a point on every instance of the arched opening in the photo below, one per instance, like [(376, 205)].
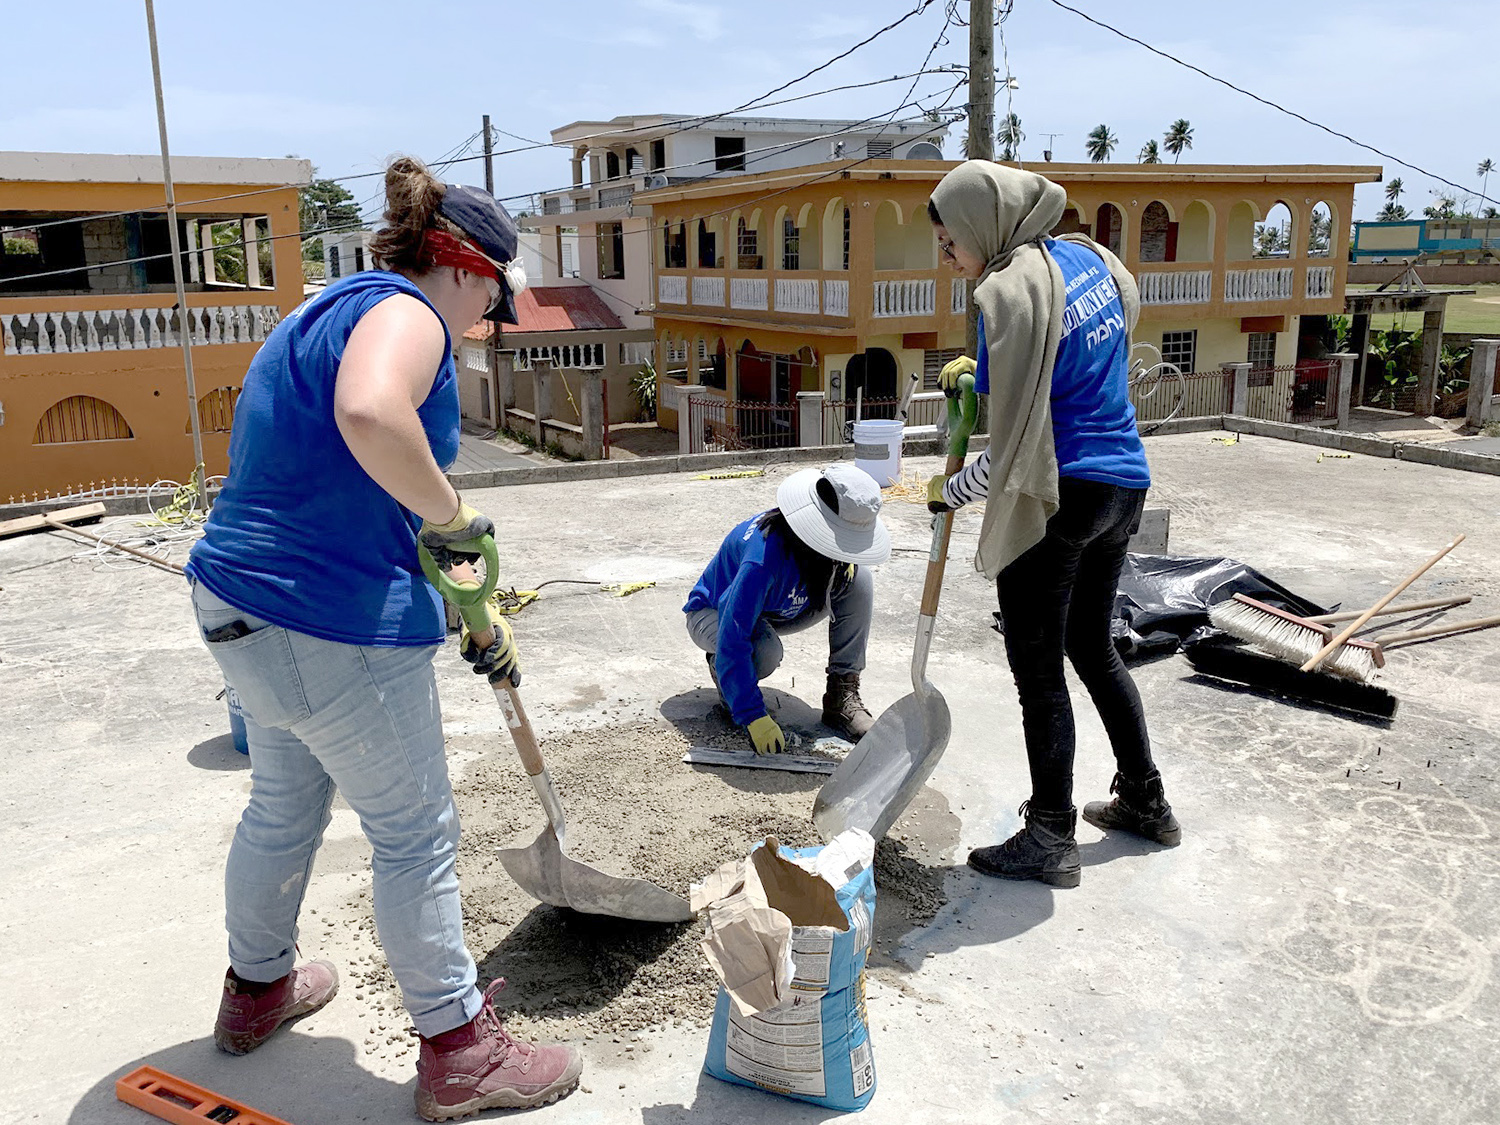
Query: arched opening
[(1275, 234), (81, 418), (752, 374), (809, 238), (870, 376), (1158, 233), (1241, 231), (1109, 227), (836, 235), (715, 373), (216, 411), (921, 246), (890, 244), (748, 242), (611, 166), (1195, 236), (1071, 222), (1320, 230)]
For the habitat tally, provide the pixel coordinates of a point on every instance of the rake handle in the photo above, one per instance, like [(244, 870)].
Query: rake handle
[(1354, 627), (1388, 611), (1438, 631)]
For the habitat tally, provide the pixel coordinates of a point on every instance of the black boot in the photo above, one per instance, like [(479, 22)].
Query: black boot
[(1044, 850), (843, 710), (1140, 806)]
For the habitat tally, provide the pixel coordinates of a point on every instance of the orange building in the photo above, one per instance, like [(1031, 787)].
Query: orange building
[(92, 386), (826, 277)]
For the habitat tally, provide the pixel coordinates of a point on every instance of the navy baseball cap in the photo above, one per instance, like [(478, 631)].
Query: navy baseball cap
[(479, 215)]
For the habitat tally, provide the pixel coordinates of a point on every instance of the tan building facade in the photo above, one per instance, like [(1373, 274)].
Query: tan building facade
[(92, 385), (827, 277)]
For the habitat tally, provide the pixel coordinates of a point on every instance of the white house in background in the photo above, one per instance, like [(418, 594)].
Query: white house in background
[(346, 252), (612, 160)]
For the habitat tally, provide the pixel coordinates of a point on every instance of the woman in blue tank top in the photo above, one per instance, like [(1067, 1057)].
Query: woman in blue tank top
[(309, 594)]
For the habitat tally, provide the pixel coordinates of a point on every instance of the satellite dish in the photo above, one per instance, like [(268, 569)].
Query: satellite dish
[(655, 180), (924, 150)]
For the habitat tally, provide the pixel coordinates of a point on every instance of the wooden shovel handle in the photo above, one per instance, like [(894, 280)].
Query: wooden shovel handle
[(937, 562), (1353, 628), (521, 733)]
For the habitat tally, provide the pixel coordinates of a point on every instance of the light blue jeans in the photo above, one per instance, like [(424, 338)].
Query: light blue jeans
[(322, 715)]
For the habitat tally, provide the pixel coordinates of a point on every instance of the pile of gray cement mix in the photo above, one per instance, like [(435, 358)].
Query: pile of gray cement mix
[(635, 809)]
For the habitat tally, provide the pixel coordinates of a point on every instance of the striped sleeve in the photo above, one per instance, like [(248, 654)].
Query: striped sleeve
[(971, 484)]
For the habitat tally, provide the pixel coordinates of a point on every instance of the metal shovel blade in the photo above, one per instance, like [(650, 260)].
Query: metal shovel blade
[(544, 871), (883, 772)]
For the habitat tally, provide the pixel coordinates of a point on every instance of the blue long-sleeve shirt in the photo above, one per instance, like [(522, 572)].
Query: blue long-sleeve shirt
[(752, 576)]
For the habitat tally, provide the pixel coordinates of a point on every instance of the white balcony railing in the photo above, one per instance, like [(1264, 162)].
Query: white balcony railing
[(959, 299), (108, 330), (1319, 282), (1160, 287), (1258, 285), (748, 292), (835, 298), (671, 290), (708, 291), (616, 196), (797, 295), (909, 297)]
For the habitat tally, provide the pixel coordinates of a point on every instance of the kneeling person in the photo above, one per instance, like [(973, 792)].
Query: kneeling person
[(781, 572)]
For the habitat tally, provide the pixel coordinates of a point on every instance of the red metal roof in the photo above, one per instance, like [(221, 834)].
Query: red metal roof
[(562, 308)]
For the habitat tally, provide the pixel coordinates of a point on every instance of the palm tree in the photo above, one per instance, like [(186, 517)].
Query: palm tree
[(1179, 137), (1393, 190), (1009, 137), (1149, 154), (1486, 166), (1391, 213), (1444, 208), (1101, 143)]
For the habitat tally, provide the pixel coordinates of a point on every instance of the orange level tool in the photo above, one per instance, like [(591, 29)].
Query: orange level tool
[(180, 1102)]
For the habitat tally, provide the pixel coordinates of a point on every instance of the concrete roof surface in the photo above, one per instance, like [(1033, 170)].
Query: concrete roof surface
[(1320, 948)]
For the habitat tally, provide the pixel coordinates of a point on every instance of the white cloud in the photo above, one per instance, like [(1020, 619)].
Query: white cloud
[(703, 20)]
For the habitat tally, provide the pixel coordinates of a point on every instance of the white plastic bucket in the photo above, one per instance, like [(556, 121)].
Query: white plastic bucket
[(877, 449)]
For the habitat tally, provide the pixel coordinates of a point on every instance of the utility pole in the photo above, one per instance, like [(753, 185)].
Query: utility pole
[(184, 332), (489, 158), (981, 141)]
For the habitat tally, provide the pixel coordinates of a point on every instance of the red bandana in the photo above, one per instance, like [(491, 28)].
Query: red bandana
[(445, 250)]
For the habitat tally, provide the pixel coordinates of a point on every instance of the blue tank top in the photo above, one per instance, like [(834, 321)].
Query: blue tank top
[(301, 535), (1093, 423)]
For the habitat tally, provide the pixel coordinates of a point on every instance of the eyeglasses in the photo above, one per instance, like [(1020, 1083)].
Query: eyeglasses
[(947, 249), (492, 286)]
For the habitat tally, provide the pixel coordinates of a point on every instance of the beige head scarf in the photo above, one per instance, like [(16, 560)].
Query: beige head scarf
[(1002, 215)]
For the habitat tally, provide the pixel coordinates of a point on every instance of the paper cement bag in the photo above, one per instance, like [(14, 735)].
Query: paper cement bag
[(788, 933)]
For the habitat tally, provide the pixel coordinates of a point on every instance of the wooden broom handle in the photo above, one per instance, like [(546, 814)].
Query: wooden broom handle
[(1392, 610), (1354, 626)]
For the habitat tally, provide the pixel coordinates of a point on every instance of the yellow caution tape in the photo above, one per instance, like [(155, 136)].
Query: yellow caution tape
[(736, 474), (625, 589)]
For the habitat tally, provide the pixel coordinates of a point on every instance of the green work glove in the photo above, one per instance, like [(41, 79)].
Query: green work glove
[(766, 736), (498, 661), (936, 502), (450, 542), (952, 371)]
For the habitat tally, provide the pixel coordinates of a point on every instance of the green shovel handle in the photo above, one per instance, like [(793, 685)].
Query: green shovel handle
[(963, 415), (469, 600)]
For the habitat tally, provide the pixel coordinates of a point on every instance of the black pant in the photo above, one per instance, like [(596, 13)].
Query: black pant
[(1058, 597)]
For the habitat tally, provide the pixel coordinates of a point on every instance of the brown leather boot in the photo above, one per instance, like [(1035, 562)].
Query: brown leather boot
[(843, 710)]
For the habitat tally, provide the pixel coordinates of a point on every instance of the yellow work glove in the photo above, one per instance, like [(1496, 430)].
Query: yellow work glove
[(953, 370), (500, 660), (766, 736), (449, 541), (935, 500)]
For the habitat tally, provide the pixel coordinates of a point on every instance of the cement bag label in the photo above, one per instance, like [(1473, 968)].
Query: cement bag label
[(863, 1068), (864, 451), (785, 1053)]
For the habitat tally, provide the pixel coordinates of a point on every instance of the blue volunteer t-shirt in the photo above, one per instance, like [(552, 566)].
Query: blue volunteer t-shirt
[(301, 535), (1093, 423), (751, 577)]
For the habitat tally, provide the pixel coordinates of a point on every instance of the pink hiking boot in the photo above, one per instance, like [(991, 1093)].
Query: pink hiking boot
[(479, 1066), (249, 1011)]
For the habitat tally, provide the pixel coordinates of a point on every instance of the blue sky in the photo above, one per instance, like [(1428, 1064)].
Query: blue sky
[(348, 85)]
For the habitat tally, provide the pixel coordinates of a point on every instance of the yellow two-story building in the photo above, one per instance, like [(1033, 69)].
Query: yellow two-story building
[(827, 277), (92, 383)]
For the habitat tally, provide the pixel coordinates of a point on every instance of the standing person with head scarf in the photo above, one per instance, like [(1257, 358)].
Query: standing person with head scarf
[(1064, 481), (308, 592)]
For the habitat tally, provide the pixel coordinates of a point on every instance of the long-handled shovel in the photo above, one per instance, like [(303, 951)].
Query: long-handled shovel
[(875, 783), (543, 869)]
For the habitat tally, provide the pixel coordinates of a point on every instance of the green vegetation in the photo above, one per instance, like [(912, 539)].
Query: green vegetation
[(643, 391)]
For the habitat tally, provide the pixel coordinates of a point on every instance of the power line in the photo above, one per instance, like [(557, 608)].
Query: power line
[(1267, 102)]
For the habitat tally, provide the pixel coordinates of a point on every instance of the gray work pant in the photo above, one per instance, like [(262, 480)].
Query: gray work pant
[(848, 629)]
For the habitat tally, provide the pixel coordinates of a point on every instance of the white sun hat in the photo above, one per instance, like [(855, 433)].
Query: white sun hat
[(836, 512)]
